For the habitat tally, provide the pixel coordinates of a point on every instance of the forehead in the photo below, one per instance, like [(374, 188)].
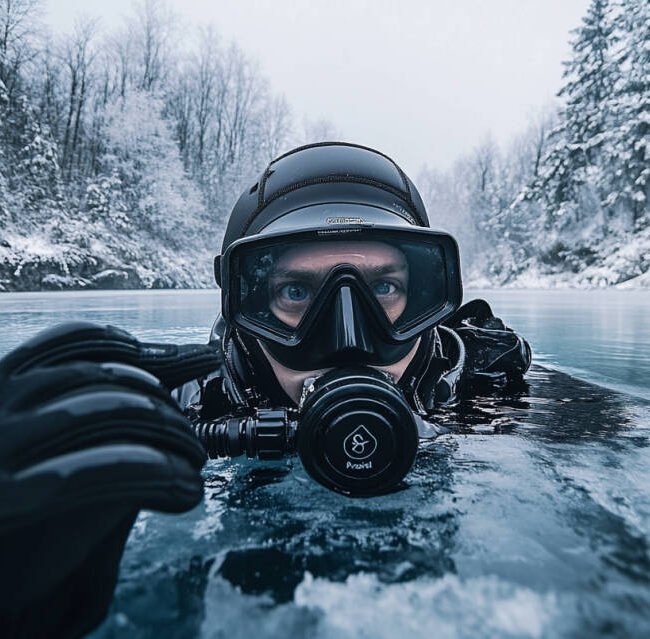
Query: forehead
[(324, 254)]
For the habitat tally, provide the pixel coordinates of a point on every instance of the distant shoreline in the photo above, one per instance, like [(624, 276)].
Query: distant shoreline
[(475, 285)]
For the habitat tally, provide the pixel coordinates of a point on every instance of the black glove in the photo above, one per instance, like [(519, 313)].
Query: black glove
[(74, 341), (83, 446), (495, 353)]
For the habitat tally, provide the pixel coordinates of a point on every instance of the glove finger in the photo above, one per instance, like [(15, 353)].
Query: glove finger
[(175, 365), (70, 342), (74, 341), (109, 415), (39, 385), (132, 475)]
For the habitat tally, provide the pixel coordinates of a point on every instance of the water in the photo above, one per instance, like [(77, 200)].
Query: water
[(533, 520), (601, 336), (175, 316)]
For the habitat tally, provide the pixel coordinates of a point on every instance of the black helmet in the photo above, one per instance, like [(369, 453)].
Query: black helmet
[(335, 200)]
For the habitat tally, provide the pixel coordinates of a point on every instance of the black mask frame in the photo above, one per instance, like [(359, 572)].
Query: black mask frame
[(345, 324)]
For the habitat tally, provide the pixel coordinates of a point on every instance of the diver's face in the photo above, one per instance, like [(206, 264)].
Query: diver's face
[(300, 271), (298, 274)]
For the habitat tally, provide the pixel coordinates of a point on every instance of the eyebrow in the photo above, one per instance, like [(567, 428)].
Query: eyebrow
[(299, 273)]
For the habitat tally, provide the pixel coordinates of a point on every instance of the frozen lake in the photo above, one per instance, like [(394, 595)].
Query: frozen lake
[(533, 520)]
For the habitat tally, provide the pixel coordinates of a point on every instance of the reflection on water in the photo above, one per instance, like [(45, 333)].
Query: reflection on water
[(531, 520)]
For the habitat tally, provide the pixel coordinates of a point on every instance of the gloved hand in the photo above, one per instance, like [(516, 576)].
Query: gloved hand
[(87, 438), (84, 341), (495, 354)]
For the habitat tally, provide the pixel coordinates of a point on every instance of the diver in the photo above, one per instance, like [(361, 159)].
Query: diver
[(341, 328)]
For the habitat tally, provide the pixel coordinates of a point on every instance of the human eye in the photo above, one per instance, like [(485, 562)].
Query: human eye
[(384, 288), (293, 293)]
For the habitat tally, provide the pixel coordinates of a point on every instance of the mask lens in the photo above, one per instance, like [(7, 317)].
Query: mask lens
[(280, 281), (428, 290)]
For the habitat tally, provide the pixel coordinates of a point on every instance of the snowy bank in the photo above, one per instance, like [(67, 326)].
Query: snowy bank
[(90, 257)]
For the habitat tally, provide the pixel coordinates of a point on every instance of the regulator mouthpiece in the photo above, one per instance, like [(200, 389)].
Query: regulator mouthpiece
[(357, 435), (354, 432)]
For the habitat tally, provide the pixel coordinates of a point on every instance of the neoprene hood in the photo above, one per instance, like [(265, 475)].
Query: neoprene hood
[(324, 173)]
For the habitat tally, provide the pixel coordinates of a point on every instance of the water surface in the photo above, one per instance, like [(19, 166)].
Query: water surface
[(600, 335), (531, 520)]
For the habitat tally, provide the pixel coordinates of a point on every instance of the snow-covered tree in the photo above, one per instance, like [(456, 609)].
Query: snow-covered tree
[(630, 105), (38, 172), (141, 156), (582, 139), (4, 195), (591, 75), (77, 55), (18, 26)]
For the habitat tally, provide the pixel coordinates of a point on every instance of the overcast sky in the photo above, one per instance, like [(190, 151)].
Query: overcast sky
[(422, 80)]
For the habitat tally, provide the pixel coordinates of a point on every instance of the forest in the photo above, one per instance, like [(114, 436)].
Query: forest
[(122, 152), (566, 204)]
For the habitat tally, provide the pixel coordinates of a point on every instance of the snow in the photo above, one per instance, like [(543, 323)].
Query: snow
[(135, 192)]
